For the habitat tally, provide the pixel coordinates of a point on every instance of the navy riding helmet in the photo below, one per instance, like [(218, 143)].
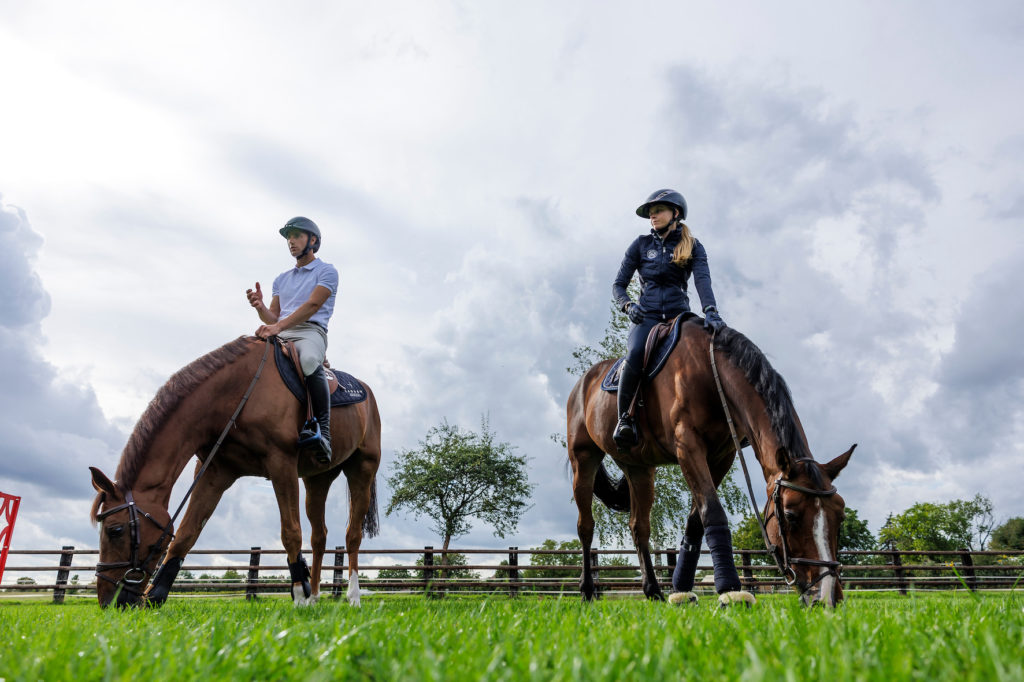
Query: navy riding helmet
[(306, 225), (663, 196)]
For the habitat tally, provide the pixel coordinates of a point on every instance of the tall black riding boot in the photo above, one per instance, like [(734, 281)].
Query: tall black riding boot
[(316, 433), (626, 433)]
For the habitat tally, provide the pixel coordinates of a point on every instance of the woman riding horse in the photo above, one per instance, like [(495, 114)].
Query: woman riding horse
[(665, 259)]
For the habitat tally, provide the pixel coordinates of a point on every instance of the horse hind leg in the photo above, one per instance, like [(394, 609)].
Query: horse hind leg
[(361, 472), (317, 488), (641, 488)]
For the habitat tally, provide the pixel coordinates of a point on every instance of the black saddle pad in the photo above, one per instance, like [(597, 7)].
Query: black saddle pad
[(610, 382), (349, 391)]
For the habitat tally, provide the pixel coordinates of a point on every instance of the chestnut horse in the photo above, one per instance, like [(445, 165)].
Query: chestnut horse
[(184, 419), (683, 422)]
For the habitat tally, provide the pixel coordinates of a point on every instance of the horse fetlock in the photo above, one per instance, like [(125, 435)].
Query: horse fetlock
[(353, 592), (682, 598), (727, 599)]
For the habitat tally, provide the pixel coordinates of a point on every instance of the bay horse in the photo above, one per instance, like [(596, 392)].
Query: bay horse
[(683, 422), (183, 420)]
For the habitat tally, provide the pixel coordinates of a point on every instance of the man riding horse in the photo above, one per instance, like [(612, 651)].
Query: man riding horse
[(301, 307)]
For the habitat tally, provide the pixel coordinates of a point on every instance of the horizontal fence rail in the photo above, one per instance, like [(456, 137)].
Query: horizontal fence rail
[(520, 571)]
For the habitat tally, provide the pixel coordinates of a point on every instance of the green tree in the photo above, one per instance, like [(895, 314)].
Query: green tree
[(672, 495), (943, 527), (854, 534), (543, 561), (457, 475), (232, 575), (1010, 535)]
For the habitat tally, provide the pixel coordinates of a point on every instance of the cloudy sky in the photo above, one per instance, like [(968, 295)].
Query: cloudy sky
[(853, 169)]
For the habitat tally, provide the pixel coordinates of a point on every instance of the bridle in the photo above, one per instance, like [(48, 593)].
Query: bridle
[(783, 558), (137, 572), (781, 551)]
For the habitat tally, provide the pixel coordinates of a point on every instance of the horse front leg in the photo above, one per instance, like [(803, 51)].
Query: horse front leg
[(204, 500), (641, 488), (284, 477), (689, 555), (361, 472), (317, 488), (692, 458), (584, 469)]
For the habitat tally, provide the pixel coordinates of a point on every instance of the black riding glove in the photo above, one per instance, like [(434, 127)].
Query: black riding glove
[(634, 312), (712, 320)]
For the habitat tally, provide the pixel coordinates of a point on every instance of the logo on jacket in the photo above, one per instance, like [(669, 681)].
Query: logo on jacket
[(652, 253)]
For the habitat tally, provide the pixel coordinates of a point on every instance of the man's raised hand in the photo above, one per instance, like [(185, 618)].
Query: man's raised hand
[(255, 297)]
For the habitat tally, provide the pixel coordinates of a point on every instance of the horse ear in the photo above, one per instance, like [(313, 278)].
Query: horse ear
[(783, 461), (101, 483), (838, 464)]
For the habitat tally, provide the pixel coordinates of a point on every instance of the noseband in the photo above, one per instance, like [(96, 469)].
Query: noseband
[(779, 552), (136, 573)]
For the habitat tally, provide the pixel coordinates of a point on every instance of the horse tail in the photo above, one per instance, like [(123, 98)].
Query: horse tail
[(614, 494), (371, 526)]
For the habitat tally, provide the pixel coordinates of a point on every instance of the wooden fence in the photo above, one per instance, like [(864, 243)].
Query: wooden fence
[(877, 570)]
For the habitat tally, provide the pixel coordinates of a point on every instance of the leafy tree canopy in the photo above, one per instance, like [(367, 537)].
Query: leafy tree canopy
[(1010, 535), (457, 475), (950, 526)]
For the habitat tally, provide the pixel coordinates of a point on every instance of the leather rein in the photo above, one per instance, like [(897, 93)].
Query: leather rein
[(783, 560), (136, 572)]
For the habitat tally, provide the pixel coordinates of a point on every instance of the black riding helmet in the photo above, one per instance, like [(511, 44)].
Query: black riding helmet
[(306, 225), (663, 196)]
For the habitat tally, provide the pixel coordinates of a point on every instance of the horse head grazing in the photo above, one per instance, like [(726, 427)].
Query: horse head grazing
[(132, 540), (802, 519)]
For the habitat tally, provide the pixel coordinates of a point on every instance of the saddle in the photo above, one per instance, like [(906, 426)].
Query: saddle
[(345, 389), (660, 342)]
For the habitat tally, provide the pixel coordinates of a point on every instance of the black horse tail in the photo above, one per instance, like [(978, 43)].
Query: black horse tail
[(371, 526), (614, 494)]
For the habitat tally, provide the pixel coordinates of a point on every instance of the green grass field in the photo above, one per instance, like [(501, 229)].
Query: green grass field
[(872, 637)]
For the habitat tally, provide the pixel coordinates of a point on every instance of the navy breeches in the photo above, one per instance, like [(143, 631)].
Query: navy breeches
[(638, 340)]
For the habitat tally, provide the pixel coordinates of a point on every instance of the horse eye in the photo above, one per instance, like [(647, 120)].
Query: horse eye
[(791, 517), (115, 531)]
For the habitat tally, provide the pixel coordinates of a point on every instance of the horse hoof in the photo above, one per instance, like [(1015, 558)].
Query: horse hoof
[(682, 598), (727, 599)]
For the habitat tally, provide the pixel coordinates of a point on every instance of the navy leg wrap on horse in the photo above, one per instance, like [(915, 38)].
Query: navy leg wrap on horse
[(300, 574), (162, 581), (720, 543), (686, 566)]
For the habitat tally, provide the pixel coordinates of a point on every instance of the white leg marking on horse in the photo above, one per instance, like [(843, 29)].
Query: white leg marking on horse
[(820, 539), (353, 589), (298, 596)]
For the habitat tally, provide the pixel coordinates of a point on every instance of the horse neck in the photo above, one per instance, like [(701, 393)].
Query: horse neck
[(751, 414), (191, 427)]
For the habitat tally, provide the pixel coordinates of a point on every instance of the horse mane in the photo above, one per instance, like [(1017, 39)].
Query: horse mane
[(772, 388), (166, 401)]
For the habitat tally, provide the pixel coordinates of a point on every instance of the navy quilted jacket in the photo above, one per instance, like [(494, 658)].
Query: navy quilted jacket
[(662, 282)]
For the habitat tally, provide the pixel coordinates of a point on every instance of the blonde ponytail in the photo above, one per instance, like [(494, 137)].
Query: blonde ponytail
[(683, 250)]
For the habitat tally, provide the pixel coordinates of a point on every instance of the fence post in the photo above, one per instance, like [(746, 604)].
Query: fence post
[(339, 571), (513, 573), (252, 585), (68, 551), (596, 574), (898, 570), (748, 573), (428, 570), (670, 562), (968, 563)]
